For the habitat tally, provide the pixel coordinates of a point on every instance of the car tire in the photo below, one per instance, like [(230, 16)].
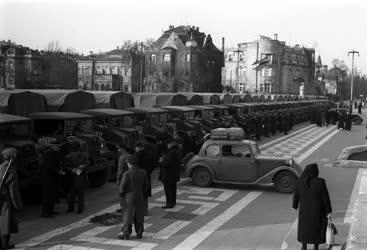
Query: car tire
[(285, 182), (201, 177)]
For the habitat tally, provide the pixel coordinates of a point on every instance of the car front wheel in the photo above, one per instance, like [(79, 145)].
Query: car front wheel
[(285, 182), (201, 177)]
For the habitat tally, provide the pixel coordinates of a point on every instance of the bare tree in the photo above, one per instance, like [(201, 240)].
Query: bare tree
[(70, 50), (54, 46)]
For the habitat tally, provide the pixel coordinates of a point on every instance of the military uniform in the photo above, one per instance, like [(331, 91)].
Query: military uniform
[(133, 188), (10, 199)]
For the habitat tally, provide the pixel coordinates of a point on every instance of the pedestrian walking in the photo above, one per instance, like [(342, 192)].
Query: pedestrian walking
[(170, 173), (348, 122), (10, 199), (341, 121), (50, 171), (76, 164), (311, 198), (360, 108), (133, 188)]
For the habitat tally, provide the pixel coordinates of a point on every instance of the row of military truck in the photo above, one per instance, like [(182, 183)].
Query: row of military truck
[(32, 120)]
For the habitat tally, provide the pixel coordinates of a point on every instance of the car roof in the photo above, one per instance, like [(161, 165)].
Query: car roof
[(179, 108), (200, 107), (58, 116), (352, 148), (146, 110), (106, 112), (7, 119), (243, 141)]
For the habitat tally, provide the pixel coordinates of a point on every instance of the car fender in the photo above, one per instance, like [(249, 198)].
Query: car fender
[(194, 165), (269, 177)]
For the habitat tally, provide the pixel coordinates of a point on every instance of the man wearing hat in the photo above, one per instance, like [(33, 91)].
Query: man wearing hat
[(9, 197), (133, 188), (170, 173)]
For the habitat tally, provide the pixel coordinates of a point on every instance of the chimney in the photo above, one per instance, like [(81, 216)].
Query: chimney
[(171, 27), (223, 44), (275, 36)]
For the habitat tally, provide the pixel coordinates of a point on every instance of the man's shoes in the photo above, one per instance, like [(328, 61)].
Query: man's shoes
[(139, 236), (167, 206)]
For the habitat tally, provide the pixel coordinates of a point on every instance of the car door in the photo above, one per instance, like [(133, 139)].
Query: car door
[(237, 163)]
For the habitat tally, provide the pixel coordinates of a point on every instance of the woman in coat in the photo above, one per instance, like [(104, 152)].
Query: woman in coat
[(311, 198), (10, 199)]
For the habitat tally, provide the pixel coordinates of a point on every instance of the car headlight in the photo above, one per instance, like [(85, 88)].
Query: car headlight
[(290, 162)]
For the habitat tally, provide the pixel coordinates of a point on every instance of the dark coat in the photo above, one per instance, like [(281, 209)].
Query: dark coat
[(10, 200), (72, 161), (50, 175), (171, 166), (314, 205), (146, 161), (133, 188)]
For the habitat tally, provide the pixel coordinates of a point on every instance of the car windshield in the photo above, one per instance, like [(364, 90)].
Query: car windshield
[(255, 149), (78, 126), (21, 130), (343, 155)]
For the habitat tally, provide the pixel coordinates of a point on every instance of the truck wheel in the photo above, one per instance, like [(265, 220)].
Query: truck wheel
[(285, 182), (102, 176), (202, 177)]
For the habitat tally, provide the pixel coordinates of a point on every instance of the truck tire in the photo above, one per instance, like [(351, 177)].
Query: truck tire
[(102, 176), (201, 177), (285, 182)]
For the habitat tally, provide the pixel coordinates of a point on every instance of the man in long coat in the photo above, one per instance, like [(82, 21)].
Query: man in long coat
[(170, 173), (312, 200), (133, 188), (10, 199), (50, 169)]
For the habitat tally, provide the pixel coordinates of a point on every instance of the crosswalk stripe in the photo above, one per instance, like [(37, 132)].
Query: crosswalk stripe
[(72, 247), (204, 205), (204, 232), (170, 230)]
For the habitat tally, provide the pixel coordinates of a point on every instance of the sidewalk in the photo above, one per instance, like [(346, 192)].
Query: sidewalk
[(357, 237)]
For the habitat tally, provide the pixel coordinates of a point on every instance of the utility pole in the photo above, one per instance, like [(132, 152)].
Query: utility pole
[(93, 66), (351, 85), (238, 51)]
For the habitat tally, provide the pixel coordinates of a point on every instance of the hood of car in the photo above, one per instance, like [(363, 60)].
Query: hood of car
[(269, 162)]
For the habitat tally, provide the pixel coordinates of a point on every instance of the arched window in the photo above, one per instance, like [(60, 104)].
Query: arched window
[(153, 58), (167, 57)]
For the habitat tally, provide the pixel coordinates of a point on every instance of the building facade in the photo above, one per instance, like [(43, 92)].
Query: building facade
[(183, 59), (268, 65), (119, 70), (24, 68)]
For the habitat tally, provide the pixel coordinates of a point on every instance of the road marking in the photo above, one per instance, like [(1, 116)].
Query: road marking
[(67, 247), (91, 237), (61, 230), (286, 136), (357, 231), (205, 206), (201, 197), (204, 232), (317, 145), (299, 160), (170, 230)]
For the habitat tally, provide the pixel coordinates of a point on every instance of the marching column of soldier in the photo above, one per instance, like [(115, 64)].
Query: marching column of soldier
[(63, 170)]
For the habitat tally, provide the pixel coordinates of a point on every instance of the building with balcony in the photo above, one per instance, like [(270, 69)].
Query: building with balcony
[(268, 65), (183, 59)]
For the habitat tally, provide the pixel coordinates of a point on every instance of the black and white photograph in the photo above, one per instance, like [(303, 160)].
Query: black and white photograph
[(181, 125)]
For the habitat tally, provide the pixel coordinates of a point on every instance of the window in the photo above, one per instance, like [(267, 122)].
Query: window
[(188, 57), (153, 58), (268, 87), (360, 156), (187, 72), (237, 150), (230, 58), (212, 150), (255, 149), (167, 57), (267, 72), (241, 57), (261, 87)]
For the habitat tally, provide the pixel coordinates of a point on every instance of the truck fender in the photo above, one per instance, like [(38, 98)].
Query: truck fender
[(191, 168), (269, 177)]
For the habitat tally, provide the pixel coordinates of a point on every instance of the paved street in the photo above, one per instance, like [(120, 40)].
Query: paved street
[(219, 217)]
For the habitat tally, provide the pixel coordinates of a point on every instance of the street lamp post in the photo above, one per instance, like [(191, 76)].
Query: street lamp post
[(353, 52), (93, 66), (141, 68)]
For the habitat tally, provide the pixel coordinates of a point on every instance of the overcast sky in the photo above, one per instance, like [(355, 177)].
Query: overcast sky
[(333, 27)]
